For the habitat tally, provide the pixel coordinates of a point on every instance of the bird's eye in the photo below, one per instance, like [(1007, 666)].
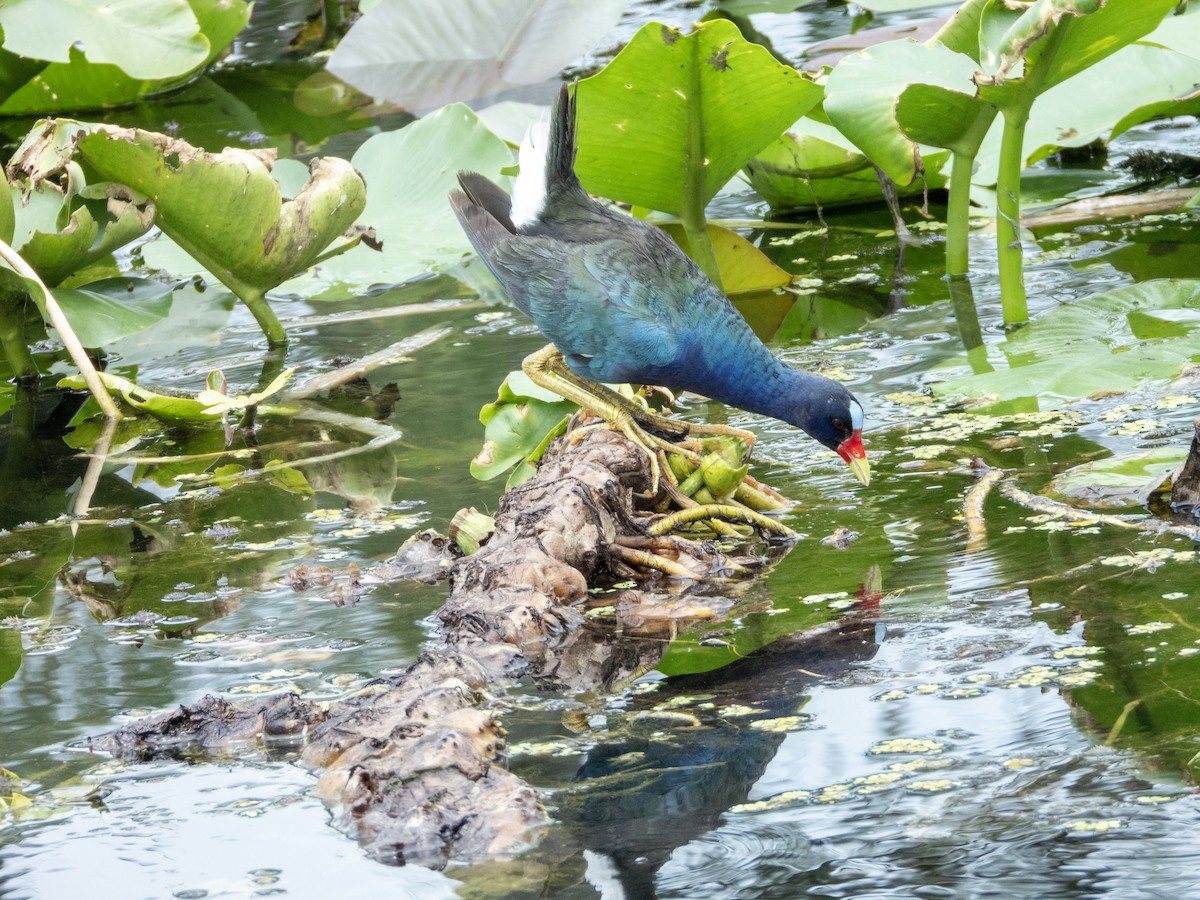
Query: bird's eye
[(839, 424)]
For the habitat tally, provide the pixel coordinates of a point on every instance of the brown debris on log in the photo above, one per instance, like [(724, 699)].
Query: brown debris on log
[(409, 764)]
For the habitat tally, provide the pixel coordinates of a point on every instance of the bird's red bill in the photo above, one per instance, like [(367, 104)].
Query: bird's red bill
[(855, 455)]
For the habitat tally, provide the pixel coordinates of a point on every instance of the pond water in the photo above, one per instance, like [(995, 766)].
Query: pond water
[(1019, 718)]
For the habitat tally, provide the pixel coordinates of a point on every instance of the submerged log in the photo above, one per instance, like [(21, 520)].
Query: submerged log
[(410, 763)]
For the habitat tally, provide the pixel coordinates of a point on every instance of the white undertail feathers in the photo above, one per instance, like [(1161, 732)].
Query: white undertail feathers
[(529, 190)]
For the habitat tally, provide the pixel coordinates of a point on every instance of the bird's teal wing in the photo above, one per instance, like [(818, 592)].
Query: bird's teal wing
[(595, 303)]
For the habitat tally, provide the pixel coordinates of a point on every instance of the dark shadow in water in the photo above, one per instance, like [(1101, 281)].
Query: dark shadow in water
[(652, 790)]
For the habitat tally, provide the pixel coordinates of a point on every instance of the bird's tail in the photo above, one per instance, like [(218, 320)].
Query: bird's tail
[(547, 160), (560, 159)]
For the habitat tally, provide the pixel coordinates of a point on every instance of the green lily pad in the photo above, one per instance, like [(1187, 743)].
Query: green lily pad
[(1111, 342), (411, 172), (518, 427), (82, 80), (864, 93), (145, 38), (691, 109), (269, 240), (421, 55), (1118, 481), (60, 234), (815, 165), (108, 310)]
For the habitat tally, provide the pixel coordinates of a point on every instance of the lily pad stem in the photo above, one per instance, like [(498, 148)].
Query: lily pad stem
[(12, 338), (1008, 219), (256, 302), (695, 168), (66, 333)]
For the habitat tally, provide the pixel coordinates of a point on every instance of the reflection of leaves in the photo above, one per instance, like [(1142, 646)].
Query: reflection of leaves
[(10, 654), (421, 54), (1091, 345)]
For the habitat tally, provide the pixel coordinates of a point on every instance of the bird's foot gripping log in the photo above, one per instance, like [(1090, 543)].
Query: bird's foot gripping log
[(547, 368), (742, 500)]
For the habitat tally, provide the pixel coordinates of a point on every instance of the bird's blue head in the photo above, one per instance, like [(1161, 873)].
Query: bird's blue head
[(836, 421)]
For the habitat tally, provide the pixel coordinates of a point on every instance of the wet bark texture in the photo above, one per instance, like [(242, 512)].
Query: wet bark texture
[(1185, 491), (409, 764)]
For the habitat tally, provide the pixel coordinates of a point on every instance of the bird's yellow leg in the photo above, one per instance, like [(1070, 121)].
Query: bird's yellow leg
[(553, 362), (547, 369)]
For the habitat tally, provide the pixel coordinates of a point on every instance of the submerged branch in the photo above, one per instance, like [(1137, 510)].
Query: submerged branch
[(1148, 525)]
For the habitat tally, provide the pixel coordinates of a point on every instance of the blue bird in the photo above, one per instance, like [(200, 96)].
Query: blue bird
[(622, 303)]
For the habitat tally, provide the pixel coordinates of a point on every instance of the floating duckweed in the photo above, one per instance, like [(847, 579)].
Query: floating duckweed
[(1148, 558), (932, 787), (979, 677), (1077, 679), (1154, 799), (931, 688), (1147, 627), (287, 687), (908, 398), (1174, 401), (906, 745), (1117, 413), (1137, 426), (778, 801), (836, 793), (837, 373), (557, 749), (781, 724), (1017, 763), (856, 345), (1077, 651), (821, 598), (737, 710), (1096, 826), (891, 695), (879, 778), (930, 451)]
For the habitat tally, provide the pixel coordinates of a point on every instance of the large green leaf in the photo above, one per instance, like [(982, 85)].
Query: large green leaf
[(145, 38), (58, 235), (865, 91), (225, 209), (669, 121), (421, 55), (81, 82), (108, 310), (1027, 51), (411, 171), (1111, 342)]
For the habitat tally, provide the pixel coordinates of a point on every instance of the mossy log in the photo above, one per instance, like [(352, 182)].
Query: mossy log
[(410, 763)]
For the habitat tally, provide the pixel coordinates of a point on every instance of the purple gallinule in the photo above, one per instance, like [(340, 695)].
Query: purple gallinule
[(622, 303)]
